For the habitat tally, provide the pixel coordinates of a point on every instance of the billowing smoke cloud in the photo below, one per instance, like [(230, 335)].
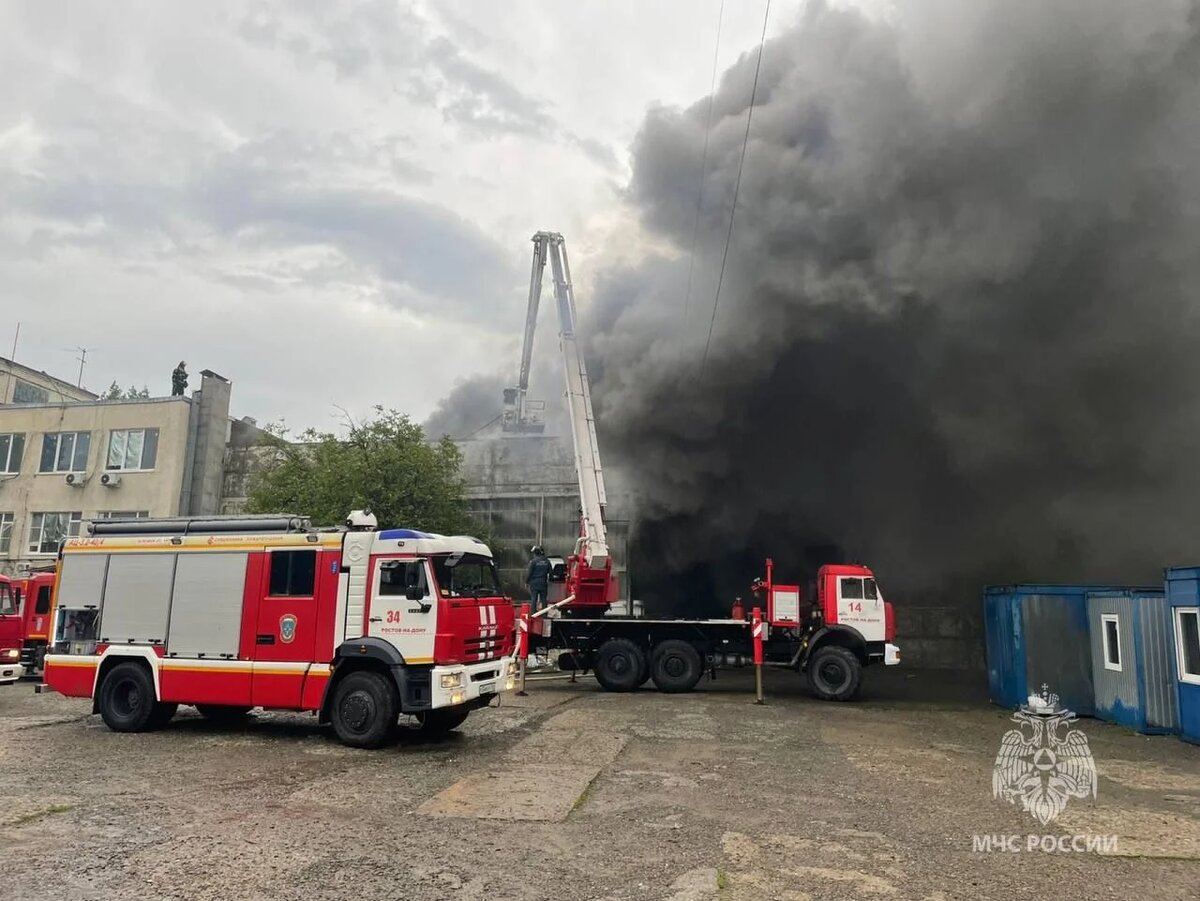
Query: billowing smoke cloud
[(959, 334)]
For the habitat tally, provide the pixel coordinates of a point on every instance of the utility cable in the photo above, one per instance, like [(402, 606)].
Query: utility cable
[(712, 89), (737, 185)]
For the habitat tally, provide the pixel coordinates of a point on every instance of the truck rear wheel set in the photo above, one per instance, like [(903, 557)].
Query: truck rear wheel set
[(622, 665)]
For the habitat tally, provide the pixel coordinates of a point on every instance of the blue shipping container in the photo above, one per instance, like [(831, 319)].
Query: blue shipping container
[(1132, 662), (1183, 594), (1038, 635)]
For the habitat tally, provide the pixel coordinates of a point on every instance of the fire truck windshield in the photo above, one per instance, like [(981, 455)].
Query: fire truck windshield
[(466, 575)]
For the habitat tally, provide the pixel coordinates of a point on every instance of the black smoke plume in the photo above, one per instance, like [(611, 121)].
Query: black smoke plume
[(959, 332)]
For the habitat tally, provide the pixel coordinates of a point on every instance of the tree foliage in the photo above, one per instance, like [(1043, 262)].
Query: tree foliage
[(383, 464), (116, 392)]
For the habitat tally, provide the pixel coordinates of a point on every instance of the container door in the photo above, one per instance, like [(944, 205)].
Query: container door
[(1005, 649), (1058, 649), (286, 632)]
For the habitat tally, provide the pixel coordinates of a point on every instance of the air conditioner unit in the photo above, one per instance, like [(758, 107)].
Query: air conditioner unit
[(76, 479), (110, 480)]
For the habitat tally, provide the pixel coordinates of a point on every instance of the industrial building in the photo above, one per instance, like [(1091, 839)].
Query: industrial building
[(524, 488), (67, 457)]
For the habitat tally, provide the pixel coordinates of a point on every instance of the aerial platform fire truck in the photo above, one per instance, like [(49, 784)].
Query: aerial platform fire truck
[(354, 624), (11, 630), (829, 633)]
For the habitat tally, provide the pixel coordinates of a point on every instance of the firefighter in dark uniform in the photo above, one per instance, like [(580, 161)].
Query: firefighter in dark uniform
[(537, 577)]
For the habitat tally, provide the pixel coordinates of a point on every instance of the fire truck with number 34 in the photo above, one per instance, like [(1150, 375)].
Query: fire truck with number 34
[(355, 624)]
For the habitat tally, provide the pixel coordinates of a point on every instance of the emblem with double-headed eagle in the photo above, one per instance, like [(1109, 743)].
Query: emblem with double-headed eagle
[(1044, 763)]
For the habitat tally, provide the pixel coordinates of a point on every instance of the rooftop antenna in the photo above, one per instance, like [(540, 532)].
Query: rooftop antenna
[(82, 358)]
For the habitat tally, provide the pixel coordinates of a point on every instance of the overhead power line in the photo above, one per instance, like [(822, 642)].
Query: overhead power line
[(737, 185)]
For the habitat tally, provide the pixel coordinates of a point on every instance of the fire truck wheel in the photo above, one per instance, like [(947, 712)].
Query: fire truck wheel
[(223, 713), (619, 665), (364, 710), (442, 720), (127, 702), (834, 673), (675, 666)]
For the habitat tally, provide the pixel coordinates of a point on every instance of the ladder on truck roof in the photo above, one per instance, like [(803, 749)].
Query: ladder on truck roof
[(273, 523), (520, 415)]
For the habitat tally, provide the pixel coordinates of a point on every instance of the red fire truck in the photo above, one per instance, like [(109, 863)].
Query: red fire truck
[(33, 592), (841, 626), (10, 635), (354, 624)]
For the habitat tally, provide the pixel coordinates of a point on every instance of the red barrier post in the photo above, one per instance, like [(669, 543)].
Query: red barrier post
[(756, 633), (522, 647)]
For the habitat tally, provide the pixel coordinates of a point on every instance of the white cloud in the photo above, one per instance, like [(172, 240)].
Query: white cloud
[(329, 203)]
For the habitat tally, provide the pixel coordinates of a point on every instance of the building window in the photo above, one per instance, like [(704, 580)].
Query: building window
[(1111, 624), (47, 531), (65, 451), (123, 514), (293, 573), (12, 449), (1187, 643), (6, 526), (132, 449), (25, 393)]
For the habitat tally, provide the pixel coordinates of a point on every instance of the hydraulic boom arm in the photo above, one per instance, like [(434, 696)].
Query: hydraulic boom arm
[(589, 570)]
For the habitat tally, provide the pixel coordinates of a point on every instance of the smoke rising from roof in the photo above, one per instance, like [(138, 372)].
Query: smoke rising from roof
[(959, 336)]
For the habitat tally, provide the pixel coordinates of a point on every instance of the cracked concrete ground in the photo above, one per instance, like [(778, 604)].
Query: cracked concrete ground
[(575, 793)]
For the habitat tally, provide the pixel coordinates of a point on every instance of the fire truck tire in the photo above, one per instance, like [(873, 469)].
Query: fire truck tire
[(834, 673), (364, 709), (127, 702), (442, 720), (619, 665), (223, 713), (675, 666)]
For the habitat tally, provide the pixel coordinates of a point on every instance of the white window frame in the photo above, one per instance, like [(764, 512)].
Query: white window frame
[(58, 436), (74, 526), (123, 514), (1180, 612), (7, 461), (6, 530), (125, 433), (1115, 619)]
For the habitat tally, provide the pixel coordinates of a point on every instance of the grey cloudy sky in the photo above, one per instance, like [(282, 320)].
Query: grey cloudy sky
[(329, 203)]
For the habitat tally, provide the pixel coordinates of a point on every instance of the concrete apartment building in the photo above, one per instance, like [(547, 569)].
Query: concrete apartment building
[(67, 457)]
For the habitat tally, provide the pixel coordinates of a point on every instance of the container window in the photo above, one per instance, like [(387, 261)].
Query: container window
[(1187, 643), (852, 589), (293, 573), (1112, 641)]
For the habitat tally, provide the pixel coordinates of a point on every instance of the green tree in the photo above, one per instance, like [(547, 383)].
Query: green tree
[(383, 464), (115, 392)]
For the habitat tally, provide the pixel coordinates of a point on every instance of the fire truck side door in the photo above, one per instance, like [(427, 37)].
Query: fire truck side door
[(285, 637), (409, 625)]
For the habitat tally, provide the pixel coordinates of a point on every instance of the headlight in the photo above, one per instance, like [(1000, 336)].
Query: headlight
[(457, 698), (10, 654), (451, 680)]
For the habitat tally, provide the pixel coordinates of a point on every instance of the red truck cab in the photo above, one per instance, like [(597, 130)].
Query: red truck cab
[(11, 631), (33, 593)]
